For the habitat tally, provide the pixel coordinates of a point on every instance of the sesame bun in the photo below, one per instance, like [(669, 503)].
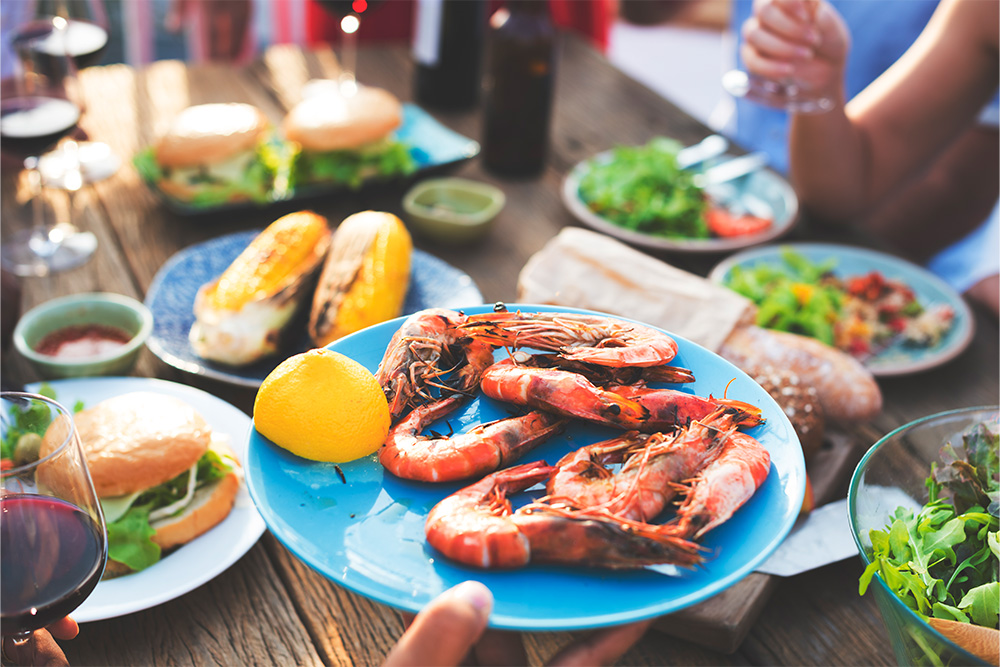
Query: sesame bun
[(210, 133), (140, 440), (330, 121)]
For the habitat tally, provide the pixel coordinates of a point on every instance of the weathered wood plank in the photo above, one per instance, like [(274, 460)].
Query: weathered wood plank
[(242, 617)]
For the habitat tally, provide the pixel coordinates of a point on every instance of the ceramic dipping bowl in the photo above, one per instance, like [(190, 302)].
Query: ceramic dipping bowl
[(88, 334), (453, 210)]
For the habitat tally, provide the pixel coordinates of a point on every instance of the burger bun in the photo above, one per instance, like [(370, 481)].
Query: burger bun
[(139, 440), (208, 134), (330, 121)]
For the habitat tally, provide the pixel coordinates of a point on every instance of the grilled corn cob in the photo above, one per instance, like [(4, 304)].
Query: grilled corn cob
[(240, 315), (365, 277)]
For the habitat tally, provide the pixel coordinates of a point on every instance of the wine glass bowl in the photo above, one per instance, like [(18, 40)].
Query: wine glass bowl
[(785, 94), (52, 531), (37, 110)]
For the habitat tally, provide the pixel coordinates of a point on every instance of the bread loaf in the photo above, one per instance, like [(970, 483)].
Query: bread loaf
[(845, 388), (799, 402)]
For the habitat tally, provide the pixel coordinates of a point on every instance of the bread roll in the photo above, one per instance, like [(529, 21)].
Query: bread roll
[(845, 388)]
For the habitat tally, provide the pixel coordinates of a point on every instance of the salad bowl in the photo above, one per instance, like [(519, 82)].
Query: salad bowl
[(892, 475)]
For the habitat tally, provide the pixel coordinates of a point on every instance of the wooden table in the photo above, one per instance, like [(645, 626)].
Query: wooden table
[(269, 608)]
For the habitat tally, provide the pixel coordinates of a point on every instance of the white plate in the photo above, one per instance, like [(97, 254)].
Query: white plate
[(197, 561), (764, 187)]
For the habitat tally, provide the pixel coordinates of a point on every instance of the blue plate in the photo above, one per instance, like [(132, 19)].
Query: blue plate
[(366, 533), (432, 145), (764, 193), (897, 359), (433, 283)]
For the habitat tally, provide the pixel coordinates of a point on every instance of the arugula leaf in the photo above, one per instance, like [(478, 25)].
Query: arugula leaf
[(943, 560)]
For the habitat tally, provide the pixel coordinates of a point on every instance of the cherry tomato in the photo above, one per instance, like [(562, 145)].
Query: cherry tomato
[(722, 223)]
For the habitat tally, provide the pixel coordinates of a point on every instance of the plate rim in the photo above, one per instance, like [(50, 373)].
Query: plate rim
[(577, 622), (155, 344), (880, 259), (253, 527), (571, 199)]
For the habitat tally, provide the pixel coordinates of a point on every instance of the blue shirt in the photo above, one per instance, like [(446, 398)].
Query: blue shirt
[(881, 31)]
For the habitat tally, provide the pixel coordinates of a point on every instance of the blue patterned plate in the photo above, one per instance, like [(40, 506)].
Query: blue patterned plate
[(432, 146), (365, 529), (897, 359), (433, 283)]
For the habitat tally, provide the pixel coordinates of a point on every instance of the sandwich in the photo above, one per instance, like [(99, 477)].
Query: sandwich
[(162, 477), (346, 139), (213, 154)]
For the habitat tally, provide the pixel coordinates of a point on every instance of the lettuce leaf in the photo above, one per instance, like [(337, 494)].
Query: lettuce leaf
[(35, 419), (943, 560), (383, 159), (130, 537)]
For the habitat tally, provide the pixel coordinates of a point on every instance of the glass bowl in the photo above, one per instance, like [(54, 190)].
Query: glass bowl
[(892, 474)]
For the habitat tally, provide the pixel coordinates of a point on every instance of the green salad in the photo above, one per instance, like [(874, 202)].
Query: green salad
[(942, 561), (27, 427), (792, 296), (642, 189)]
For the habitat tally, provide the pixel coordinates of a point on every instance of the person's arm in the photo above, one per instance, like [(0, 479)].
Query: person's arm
[(846, 161)]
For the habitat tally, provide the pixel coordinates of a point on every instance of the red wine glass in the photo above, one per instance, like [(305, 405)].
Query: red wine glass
[(52, 532), (37, 110), (83, 39)]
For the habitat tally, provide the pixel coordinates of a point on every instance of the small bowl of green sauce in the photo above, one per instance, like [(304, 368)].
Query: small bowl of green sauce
[(453, 210)]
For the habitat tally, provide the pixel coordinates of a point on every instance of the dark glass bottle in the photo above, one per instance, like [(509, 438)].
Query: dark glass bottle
[(518, 87), (447, 51)]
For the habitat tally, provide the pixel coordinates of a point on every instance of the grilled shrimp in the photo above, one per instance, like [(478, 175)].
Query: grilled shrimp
[(654, 466), (603, 341), (722, 487), (563, 392), (482, 450), (426, 347), (667, 408), (476, 526)]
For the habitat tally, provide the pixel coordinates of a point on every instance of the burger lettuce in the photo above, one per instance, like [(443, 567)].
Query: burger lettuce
[(130, 532), (254, 176), (381, 159)]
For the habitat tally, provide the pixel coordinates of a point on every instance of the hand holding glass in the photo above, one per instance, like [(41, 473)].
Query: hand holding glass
[(781, 33)]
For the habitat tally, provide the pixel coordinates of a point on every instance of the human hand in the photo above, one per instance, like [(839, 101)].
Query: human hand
[(451, 630), (804, 41), (41, 648)]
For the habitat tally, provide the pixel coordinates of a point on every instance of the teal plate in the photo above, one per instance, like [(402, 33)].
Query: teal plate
[(365, 529), (897, 359)]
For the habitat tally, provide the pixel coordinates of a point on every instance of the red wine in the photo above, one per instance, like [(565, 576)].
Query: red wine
[(32, 125), (53, 556), (83, 41)]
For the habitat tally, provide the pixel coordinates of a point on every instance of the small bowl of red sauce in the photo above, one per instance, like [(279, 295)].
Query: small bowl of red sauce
[(82, 335)]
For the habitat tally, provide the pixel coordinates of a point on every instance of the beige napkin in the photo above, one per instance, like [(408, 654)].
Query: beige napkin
[(585, 269)]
